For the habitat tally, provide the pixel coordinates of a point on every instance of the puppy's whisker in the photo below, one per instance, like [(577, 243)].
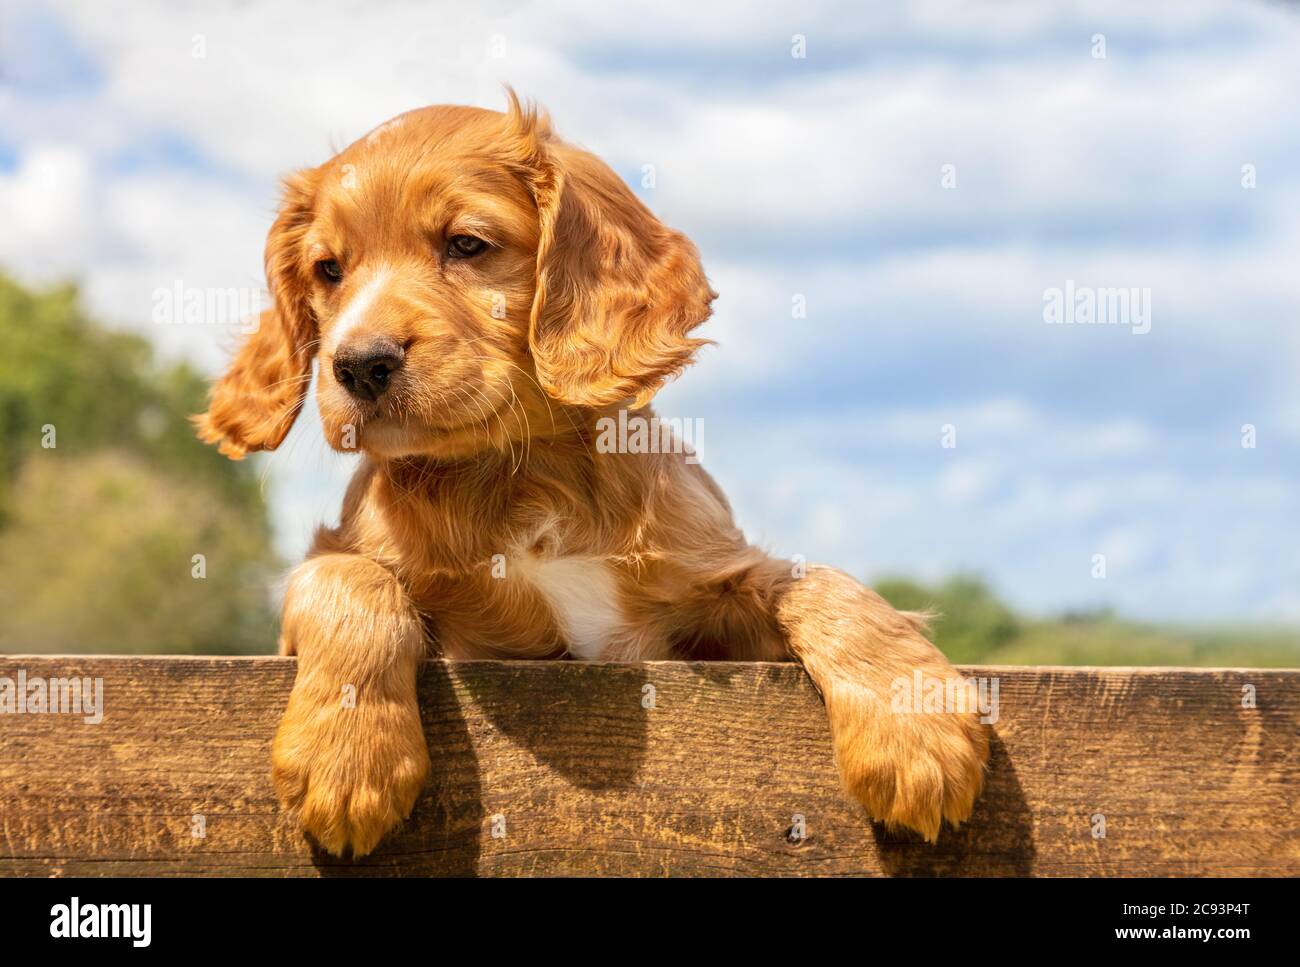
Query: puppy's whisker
[(289, 381), (477, 399), (526, 425)]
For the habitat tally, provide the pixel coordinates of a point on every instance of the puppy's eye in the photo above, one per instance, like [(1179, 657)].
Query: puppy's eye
[(465, 246), (329, 270)]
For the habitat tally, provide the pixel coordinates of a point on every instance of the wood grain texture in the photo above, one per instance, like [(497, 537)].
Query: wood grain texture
[(588, 781)]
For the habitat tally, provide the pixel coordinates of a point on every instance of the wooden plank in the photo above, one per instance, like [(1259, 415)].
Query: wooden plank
[(588, 781)]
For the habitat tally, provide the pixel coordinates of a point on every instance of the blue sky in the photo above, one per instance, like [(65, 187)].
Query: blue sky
[(128, 162)]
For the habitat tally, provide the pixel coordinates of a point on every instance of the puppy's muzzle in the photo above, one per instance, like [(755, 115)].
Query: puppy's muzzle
[(365, 371)]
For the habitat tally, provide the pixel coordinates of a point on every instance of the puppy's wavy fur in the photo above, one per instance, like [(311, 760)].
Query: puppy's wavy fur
[(485, 522)]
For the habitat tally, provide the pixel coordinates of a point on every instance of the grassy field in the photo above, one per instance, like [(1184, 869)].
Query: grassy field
[(973, 626)]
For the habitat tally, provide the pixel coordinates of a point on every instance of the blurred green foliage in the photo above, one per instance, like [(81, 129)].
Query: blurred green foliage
[(973, 627), (98, 532), (970, 620)]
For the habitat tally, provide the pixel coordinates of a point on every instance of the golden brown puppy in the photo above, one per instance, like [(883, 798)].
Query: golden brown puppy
[(479, 295)]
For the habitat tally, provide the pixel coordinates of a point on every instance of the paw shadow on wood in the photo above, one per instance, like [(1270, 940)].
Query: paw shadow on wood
[(585, 721), (997, 840)]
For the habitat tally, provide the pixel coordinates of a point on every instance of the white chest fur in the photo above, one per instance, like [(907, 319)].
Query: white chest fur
[(583, 594)]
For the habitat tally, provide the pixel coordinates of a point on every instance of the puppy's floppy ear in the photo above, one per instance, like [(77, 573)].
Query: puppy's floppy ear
[(255, 403), (617, 291)]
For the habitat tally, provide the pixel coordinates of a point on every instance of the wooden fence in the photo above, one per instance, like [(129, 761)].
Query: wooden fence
[(559, 768)]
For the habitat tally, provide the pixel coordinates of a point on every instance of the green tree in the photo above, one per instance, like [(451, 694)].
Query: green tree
[(969, 623), (98, 533)]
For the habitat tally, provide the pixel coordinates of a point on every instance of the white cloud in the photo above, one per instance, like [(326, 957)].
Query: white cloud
[(46, 208), (818, 177)]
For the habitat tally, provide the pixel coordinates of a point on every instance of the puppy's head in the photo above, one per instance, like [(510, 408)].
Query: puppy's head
[(456, 271)]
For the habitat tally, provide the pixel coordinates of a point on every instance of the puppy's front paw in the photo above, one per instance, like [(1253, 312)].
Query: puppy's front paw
[(351, 773), (909, 768)]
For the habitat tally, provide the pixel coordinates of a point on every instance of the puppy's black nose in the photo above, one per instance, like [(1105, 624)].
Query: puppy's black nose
[(364, 371)]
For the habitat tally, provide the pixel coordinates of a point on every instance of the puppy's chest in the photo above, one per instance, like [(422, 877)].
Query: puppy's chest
[(521, 582), (583, 596)]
